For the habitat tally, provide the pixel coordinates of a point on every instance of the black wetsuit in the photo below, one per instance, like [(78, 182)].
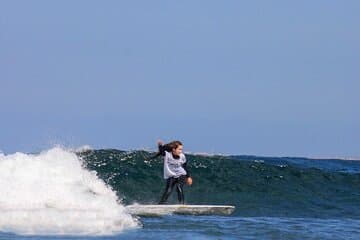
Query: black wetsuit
[(172, 181)]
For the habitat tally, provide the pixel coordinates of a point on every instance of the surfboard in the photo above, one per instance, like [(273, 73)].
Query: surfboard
[(160, 210)]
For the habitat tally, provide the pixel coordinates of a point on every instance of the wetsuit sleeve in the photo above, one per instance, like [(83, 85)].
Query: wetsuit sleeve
[(186, 169), (161, 152), (163, 148)]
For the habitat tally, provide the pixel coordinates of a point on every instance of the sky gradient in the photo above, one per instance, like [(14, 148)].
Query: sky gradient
[(274, 78)]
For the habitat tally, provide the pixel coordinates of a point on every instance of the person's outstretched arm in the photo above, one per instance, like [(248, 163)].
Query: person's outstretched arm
[(163, 147), (161, 150)]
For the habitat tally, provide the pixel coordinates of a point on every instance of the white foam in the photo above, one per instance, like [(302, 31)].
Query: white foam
[(51, 193)]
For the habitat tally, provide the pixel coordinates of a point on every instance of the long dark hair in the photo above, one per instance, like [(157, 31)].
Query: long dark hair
[(173, 145), (166, 147)]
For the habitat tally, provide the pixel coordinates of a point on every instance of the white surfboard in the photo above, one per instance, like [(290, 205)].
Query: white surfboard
[(159, 210)]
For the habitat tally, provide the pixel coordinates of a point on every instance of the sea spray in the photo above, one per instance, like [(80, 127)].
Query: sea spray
[(52, 193)]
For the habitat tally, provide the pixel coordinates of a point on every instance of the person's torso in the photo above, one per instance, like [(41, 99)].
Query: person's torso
[(173, 167)]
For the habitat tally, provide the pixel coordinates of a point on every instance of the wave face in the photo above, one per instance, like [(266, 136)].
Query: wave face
[(292, 187), (52, 193)]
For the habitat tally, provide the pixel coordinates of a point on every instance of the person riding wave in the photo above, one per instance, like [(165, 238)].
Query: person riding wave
[(176, 172)]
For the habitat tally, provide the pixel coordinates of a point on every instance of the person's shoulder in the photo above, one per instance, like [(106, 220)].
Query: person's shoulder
[(182, 155)]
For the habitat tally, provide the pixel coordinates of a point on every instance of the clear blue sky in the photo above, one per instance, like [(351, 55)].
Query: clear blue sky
[(268, 78)]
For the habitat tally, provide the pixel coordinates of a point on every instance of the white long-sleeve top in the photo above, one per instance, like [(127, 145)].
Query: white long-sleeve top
[(173, 167)]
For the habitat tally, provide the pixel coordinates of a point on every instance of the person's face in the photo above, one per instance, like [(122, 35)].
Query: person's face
[(177, 151)]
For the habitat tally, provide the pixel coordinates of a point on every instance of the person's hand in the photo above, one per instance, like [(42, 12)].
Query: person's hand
[(160, 142), (189, 181)]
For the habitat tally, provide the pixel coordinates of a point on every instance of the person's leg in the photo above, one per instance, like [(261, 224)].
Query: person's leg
[(170, 182), (179, 188)]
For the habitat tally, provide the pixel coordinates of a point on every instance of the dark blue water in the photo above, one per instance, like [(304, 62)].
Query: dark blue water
[(207, 227), (275, 198), (257, 186)]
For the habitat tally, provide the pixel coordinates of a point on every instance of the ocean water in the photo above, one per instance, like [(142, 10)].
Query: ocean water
[(63, 194)]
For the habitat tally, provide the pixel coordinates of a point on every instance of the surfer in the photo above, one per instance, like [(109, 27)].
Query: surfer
[(176, 172)]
